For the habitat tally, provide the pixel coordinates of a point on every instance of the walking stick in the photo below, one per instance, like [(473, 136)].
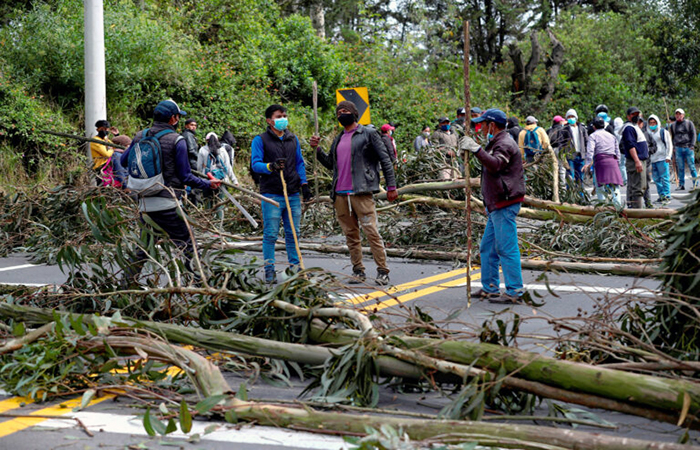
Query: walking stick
[(467, 171), (315, 101), (291, 220)]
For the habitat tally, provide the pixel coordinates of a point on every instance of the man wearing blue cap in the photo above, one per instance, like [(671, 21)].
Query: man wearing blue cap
[(503, 189), (161, 206)]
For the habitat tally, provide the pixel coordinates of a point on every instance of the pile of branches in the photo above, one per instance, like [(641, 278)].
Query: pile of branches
[(295, 327)]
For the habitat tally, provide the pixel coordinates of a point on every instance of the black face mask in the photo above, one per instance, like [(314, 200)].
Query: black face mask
[(102, 133), (346, 119)]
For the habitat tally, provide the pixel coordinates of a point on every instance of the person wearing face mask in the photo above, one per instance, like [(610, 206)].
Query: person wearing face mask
[(635, 148), (446, 141), (684, 135), (576, 138), (602, 153), (388, 139), (458, 124), (162, 207), (422, 141), (274, 151), (503, 190), (101, 153), (661, 160), (355, 157)]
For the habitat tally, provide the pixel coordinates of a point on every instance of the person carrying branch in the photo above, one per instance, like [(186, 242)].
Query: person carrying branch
[(274, 151), (101, 153), (354, 158), (503, 190)]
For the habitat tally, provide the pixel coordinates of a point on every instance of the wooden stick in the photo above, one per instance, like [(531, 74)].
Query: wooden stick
[(315, 101), (238, 188), (84, 139), (467, 168), (291, 221)]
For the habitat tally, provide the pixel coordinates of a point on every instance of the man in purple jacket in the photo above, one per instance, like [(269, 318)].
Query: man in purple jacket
[(503, 189)]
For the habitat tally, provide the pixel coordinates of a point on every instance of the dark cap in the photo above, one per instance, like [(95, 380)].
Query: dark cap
[(443, 119), (102, 123), (492, 115), (167, 109), (632, 110), (476, 110), (601, 108), (461, 111), (598, 123)]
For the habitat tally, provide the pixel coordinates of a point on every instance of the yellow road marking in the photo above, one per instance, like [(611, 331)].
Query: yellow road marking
[(422, 293), (21, 423), (14, 403), (405, 286)]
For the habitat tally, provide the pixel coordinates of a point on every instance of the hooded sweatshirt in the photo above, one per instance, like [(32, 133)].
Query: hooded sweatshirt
[(664, 147)]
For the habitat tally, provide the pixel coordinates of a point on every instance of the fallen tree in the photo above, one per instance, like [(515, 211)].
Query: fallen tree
[(639, 270)]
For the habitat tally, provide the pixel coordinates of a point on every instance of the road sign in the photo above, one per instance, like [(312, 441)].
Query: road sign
[(360, 97)]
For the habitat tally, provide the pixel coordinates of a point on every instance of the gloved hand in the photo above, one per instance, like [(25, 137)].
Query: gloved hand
[(469, 144), (277, 165), (306, 192)]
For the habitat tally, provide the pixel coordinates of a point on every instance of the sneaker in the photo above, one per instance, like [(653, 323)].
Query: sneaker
[(358, 276), (680, 188), (382, 278), (483, 295), (270, 278), (506, 299)]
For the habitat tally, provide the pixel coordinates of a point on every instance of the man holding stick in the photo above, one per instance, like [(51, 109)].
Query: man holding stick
[(274, 151), (354, 158)]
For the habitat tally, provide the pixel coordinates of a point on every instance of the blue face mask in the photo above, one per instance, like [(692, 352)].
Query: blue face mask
[(489, 136), (281, 123), (571, 120), (445, 127), (653, 127)]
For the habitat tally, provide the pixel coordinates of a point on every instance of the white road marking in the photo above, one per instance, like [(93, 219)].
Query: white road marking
[(640, 292), (245, 434), (21, 266), (5, 283)]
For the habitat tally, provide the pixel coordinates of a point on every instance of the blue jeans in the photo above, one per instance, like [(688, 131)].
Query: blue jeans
[(499, 246), (683, 155), (576, 168), (609, 191), (659, 172), (271, 229)]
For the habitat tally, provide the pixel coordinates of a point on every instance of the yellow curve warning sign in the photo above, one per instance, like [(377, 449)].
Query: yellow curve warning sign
[(360, 97)]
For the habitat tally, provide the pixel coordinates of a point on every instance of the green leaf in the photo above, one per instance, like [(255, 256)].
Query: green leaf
[(231, 416), (87, 396), (185, 418), (18, 329), (208, 403), (242, 393), (147, 425), (172, 426)]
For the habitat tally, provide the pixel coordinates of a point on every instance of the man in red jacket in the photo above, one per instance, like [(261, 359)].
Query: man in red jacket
[(503, 189)]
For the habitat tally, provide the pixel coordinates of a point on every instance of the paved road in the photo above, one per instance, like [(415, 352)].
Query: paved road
[(436, 288)]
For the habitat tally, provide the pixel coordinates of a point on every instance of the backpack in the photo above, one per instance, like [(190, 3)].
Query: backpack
[(145, 164), (532, 142), (218, 169)]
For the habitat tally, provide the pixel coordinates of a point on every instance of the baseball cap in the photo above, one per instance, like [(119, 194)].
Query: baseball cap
[(558, 119), (476, 110), (680, 110), (443, 119), (461, 111), (632, 110), (531, 119), (492, 115), (168, 108), (387, 127)]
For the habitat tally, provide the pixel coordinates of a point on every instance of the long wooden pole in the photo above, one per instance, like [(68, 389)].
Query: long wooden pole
[(262, 198), (315, 100), (291, 221), (467, 167)]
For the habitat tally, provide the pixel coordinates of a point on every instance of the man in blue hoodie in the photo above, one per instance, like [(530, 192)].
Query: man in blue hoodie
[(636, 149)]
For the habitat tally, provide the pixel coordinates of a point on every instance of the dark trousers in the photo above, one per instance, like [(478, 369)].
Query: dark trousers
[(176, 229)]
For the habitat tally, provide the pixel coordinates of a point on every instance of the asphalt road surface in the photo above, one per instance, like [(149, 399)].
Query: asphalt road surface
[(438, 289)]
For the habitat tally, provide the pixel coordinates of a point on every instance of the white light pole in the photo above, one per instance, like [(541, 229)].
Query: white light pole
[(95, 85)]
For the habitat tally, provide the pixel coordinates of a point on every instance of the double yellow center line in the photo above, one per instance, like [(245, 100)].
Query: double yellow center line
[(411, 286)]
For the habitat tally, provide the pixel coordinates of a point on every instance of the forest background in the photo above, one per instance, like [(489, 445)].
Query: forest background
[(225, 62)]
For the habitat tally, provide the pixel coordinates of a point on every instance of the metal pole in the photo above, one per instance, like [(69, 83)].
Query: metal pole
[(315, 101), (95, 84), (467, 171)]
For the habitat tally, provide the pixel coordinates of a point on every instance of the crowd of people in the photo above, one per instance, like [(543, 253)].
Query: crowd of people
[(156, 166), (614, 152)]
